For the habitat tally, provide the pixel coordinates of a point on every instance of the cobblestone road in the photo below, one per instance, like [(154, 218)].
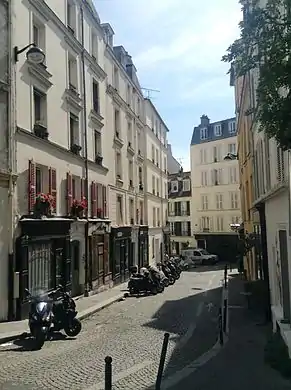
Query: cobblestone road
[(131, 332)]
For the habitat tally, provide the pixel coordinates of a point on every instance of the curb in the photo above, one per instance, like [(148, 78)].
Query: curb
[(81, 316)]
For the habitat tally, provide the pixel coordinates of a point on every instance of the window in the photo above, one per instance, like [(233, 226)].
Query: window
[(39, 100), (74, 130), (232, 148), (165, 164), (154, 217), (153, 247), (203, 156), (204, 179), (118, 165), (94, 46), (153, 154), (117, 123), (235, 220), (219, 201), (119, 214), (115, 78), (231, 127), (203, 134), (138, 106), (204, 202), (157, 157), (73, 73), (234, 200), (217, 130), (232, 175), (158, 187), (217, 177), (131, 211), (128, 95), (129, 134), (38, 34), (215, 154), (130, 172), (174, 186), (71, 17), (158, 217), (205, 223), (219, 224), (153, 185), (96, 101), (97, 144), (186, 185)]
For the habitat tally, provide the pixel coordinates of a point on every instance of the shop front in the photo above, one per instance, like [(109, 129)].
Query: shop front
[(43, 258), (99, 270), (77, 255), (121, 256)]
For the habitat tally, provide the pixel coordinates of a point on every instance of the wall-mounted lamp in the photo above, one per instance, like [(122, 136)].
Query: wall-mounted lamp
[(34, 55), (231, 156)]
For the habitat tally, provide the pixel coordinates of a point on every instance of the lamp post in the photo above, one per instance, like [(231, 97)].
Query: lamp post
[(231, 156), (34, 54)]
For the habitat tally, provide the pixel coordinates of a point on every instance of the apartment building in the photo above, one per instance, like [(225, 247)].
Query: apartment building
[(179, 211), (215, 184), (125, 116), (156, 180), (173, 165)]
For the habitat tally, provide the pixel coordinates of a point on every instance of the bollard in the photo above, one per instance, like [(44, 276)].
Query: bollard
[(108, 373), (162, 361), (220, 327)]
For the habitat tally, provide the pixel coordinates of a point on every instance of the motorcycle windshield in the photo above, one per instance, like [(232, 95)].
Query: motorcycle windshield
[(41, 307)]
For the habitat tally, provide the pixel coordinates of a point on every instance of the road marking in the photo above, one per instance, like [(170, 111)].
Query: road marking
[(123, 374)]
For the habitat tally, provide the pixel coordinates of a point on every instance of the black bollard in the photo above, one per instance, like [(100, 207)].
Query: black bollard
[(225, 275), (162, 361), (108, 373)]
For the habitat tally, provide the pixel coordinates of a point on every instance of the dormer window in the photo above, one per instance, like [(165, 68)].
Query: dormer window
[(186, 185), (203, 133), (217, 130), (174, 186), (231, 127)]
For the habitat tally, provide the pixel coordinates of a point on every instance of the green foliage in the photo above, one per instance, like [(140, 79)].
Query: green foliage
[(264, 48)]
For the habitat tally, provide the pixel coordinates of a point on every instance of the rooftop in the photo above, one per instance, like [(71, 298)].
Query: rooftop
[(207, 131)]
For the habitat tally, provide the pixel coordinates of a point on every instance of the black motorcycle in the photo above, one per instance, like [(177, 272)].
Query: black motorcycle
[(64, 313), (167, 272), (142, 283), (40, 317), (157, 278), (173, 268)]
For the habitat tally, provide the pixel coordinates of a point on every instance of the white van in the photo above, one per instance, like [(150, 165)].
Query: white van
[(196, 256)]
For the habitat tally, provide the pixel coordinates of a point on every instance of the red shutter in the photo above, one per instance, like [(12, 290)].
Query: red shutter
[(69, 193), (104, 189), (83, 192), (31, 185), (93, 199), (99, 199), (53, 188)]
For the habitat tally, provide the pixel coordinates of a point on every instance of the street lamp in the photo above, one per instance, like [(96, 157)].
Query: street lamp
[(34, 55), (231, 156)]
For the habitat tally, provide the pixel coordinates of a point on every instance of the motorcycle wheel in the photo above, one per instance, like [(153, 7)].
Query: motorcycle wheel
[(161, 288), (171, 280), (154, 290), (39, 339), (73, 328), (166, 283)]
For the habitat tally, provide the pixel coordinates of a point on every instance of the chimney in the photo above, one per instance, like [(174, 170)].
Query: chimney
[(204, 120)]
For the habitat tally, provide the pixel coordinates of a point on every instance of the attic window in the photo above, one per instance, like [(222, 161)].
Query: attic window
[(203, 133), (217, 130), (174, 186), (186, 185)]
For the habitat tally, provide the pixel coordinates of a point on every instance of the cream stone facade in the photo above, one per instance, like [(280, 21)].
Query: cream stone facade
[(215, 181), (156, 183)]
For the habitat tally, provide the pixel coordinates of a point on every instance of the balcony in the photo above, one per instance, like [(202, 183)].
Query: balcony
[(130, 148), (40, 130), (140, 156), (119, 181), (117, 140)]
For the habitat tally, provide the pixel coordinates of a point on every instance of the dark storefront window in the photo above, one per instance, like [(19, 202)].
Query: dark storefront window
[(40, 275), (117, 258)]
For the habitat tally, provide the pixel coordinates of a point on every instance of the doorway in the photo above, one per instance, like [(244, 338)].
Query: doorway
[(75, 248)]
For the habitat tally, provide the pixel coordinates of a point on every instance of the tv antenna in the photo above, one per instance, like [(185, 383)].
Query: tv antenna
[(148, 92)]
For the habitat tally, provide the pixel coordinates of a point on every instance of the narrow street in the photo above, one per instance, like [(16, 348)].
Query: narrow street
[(131, 332)]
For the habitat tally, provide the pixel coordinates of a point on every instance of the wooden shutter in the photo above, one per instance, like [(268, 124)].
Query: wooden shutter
[(69, 193), (83, 192), (99, 198), (31, 185), (53, 188), (93, 199), (105, 211), (107, 269)]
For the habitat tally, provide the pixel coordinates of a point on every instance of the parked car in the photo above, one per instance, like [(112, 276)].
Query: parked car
[(201, 257)]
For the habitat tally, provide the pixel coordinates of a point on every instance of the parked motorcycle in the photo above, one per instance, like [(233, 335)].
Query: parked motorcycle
[(173, 268), (40, 317), (64, 313), (142, 283), (167, 272), (157, 278)]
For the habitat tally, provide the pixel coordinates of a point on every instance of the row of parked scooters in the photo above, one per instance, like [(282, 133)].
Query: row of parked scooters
[(153, 279)]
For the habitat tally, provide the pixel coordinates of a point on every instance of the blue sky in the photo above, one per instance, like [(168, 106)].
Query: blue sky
[(176, 46)]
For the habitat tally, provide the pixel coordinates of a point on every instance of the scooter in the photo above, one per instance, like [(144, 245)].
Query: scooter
[(40, 318), (167, 272), (64, 313), (142, 283)]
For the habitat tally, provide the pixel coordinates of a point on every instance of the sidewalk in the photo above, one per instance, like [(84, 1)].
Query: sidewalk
[(85, 306), (240, 363)]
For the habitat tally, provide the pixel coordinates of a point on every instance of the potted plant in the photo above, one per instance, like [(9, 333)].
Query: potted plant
[(43, 204), (78, 207), (99, 212)]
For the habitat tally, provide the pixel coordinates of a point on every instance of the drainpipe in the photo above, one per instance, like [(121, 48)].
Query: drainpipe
[(86, 285)]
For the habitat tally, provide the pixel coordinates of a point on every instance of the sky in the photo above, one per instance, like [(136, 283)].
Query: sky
[(176, 46)]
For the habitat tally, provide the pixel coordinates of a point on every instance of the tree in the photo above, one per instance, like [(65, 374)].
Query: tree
[(265, 45)]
